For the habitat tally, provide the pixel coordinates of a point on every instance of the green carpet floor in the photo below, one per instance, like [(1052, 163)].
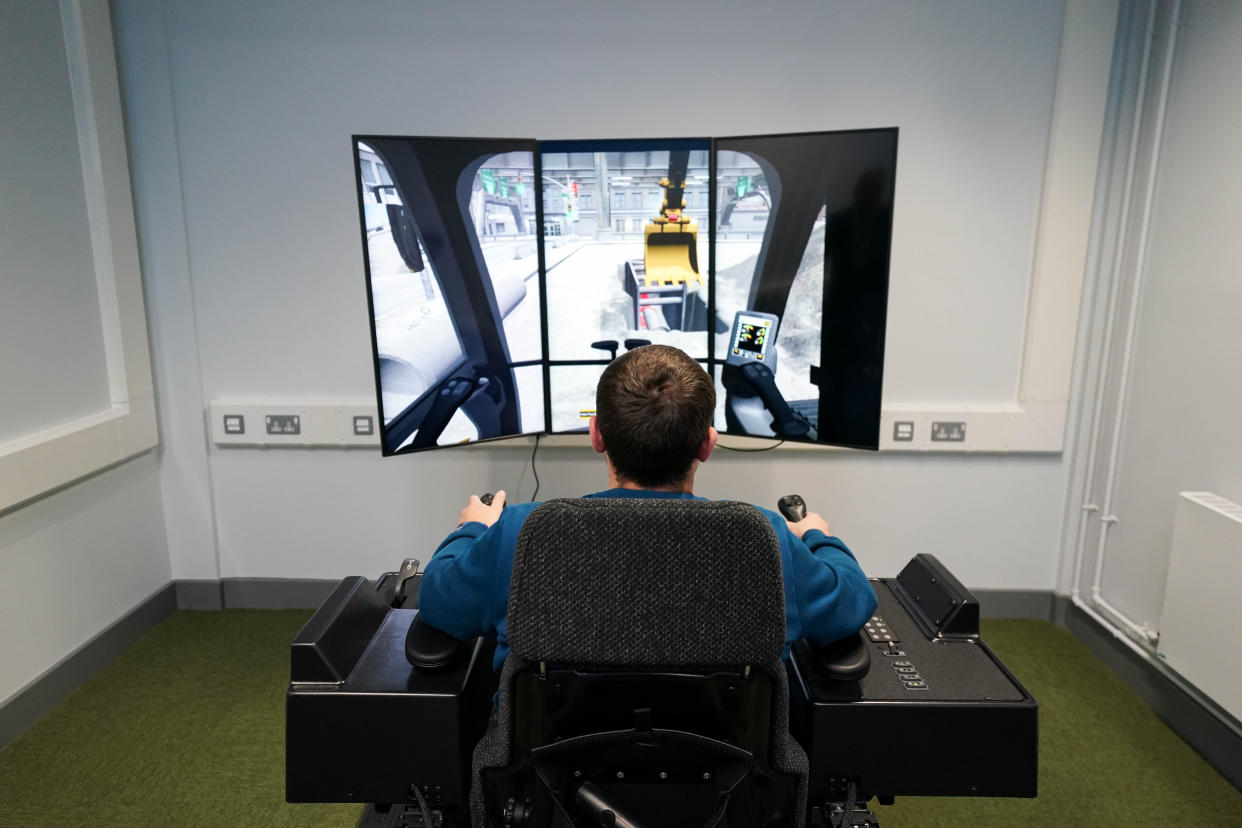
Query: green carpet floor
[(187, 728)]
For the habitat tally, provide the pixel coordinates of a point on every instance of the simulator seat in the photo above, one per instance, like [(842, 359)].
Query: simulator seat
[(645, 685)]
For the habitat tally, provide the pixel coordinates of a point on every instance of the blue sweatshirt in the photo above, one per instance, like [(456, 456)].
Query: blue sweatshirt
[(465, 587)]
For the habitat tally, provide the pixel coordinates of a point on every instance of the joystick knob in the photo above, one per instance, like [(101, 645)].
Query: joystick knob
[(793, 507)]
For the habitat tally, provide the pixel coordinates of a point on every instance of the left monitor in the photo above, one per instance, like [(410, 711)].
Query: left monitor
[(451, 251)]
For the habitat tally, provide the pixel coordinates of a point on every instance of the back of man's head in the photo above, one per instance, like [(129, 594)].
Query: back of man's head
[(653, 406)]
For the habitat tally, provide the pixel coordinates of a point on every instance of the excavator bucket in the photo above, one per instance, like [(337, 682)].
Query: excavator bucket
[(671, 255)]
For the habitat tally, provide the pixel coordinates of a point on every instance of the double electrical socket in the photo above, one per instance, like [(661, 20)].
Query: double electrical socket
[(914, 430), (945, 431), (287, 422), (942, 431), (281, 423)]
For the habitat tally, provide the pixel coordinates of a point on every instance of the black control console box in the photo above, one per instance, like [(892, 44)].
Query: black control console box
[(937, 713), (362, 725)]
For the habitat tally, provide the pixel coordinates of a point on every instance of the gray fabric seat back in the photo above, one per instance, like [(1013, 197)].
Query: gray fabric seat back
[(703, 588)]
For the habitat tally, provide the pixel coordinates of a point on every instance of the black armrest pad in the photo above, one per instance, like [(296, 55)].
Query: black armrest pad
[(848, 659), (427, 649)]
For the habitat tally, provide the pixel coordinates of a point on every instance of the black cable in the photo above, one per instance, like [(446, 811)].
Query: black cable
[(534, 470), (517, 491), (422, 806), (745, 451), (851, 800)]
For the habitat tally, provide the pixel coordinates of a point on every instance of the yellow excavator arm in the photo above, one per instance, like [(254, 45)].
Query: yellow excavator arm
[(670, 251)]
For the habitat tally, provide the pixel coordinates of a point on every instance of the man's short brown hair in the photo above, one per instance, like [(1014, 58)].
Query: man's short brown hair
[(654, 405)]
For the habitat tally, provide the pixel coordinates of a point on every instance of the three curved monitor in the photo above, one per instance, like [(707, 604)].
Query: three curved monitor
[(503, 275)]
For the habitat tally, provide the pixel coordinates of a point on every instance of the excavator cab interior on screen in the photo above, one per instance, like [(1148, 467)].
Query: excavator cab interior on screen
[(504, 275), (802, 240), (450, 247)]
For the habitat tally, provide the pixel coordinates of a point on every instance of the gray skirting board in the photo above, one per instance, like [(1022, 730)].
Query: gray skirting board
[(1200, 722), (38, 697), (253, 593)]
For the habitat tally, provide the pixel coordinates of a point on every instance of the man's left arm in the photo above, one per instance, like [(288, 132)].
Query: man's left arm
[(457, 594)]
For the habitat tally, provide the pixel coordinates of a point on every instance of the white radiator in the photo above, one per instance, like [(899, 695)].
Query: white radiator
[(1202, 615)]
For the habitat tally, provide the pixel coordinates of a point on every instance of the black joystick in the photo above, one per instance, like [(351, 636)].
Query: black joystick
[(793, 507), (786, 422), (486, 498), (609, 345)]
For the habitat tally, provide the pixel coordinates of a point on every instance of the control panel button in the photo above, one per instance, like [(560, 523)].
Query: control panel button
[(878, 630)]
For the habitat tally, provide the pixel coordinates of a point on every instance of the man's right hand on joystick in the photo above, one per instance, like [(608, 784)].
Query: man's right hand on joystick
[(793, 509), (485, 509)]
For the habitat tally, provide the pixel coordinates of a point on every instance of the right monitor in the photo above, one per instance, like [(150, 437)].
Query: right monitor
[(802, 238), (505, 275)]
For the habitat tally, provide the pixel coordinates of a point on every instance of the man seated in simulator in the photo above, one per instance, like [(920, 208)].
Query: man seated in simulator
[(654, 409)]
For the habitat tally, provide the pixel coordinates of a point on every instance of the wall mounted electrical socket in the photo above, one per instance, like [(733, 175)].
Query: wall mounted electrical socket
[(948, 431), (294, 422)]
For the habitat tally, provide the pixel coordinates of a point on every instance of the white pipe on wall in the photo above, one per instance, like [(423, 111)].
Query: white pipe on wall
[(1144, 238), (1110, 315), (1110, 625), (1141, 633)]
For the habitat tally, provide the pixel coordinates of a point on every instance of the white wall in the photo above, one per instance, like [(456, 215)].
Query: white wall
[(1182, 410), (991, 519), (73, 561), (49, 307), (240, 123), (185, 476)]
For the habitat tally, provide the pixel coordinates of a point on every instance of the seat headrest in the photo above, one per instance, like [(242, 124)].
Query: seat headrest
[(647, 583)]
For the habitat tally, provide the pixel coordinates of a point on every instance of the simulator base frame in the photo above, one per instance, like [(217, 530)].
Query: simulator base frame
[(917, 704)]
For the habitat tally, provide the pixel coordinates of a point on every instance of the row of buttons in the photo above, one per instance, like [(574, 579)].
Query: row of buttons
[(909, 675), (877, 630), (880, 632)]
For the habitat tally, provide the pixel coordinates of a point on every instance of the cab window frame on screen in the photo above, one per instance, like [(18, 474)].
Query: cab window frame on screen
[(485, 394)]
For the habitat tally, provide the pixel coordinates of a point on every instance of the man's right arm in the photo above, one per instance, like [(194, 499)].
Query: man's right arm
[(833, 596)]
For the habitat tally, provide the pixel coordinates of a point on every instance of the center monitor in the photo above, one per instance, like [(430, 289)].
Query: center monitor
[(626, 245)]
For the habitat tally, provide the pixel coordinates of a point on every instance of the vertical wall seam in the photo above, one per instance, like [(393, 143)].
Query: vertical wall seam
[(189, 265)]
